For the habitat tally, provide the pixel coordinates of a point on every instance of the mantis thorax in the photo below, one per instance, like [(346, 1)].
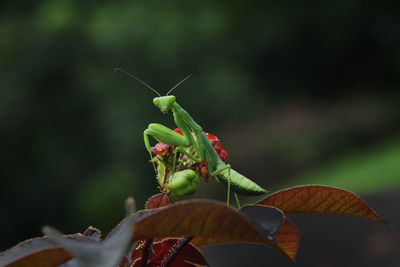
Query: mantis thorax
[(164, 102)]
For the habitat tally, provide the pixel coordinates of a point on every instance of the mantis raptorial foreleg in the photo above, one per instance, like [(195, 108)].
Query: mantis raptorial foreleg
[(162, 134), (165, 135)]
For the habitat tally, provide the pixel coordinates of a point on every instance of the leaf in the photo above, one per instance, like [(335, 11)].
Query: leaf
[(93, 233), (87, 249), (208, 221), (71, 263), (189, 255), (320, 199), (124, 262), (275, 228), (40, 252), (267, 219), (108, 253), (138, 263), (287, 239), (43, 252), (157, 201)]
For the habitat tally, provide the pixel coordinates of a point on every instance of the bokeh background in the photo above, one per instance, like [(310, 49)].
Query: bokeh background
[(298, 93)]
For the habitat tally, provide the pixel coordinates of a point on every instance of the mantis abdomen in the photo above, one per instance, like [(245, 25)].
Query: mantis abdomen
[(240, 184)]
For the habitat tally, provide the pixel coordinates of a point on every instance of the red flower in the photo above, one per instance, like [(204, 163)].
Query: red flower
[(213, 139), (160, 149), (177, 130), (221, 152), (203, 171), (215, 142)]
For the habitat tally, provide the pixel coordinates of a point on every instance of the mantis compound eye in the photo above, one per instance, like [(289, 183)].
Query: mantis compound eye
[(183, 183)]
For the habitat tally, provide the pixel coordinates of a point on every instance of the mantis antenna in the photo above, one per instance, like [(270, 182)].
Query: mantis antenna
[(139, 80), (178, 84)]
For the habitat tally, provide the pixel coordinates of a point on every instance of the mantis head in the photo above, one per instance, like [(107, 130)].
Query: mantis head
[(164, 102)]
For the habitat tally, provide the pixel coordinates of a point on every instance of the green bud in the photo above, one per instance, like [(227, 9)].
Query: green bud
[(183, 183)]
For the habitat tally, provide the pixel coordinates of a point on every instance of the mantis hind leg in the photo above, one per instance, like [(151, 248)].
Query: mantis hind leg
[(228, 167), (237, 200)]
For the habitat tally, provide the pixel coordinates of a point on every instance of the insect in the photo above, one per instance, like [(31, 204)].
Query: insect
[(204, 151)]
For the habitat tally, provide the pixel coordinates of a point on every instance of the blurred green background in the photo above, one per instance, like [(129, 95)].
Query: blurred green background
[(297, 92)]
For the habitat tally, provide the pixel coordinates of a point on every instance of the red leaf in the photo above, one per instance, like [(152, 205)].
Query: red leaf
[(188, 256), (287, 239), (320, 199), (124, 262), (157, 201), (138, 263)]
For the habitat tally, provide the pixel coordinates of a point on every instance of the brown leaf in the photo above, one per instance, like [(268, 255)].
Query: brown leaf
[(157, 201), (209, 220), (200, 241), (93, 233), (287, 239), (320, 199), (107, 253), (40, 252), (51, 250), (48, 257)]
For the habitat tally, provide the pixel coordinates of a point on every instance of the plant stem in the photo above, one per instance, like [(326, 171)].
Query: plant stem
[(170, 199), (146, 251), (178, 248)]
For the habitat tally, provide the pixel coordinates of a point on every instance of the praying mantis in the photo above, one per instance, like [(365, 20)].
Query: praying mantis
[(204, 151)]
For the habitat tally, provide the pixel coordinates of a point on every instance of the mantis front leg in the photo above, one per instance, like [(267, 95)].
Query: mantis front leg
[(165, 135)]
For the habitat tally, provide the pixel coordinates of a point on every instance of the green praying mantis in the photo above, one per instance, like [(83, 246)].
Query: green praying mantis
[(192, 136)]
